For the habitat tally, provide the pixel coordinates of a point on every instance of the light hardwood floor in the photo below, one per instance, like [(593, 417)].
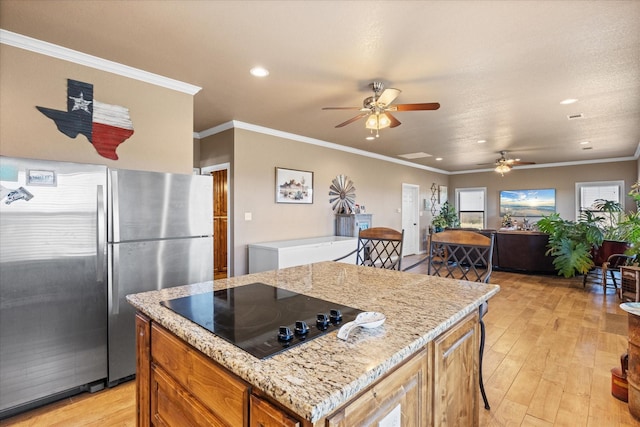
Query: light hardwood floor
[(550, 348)]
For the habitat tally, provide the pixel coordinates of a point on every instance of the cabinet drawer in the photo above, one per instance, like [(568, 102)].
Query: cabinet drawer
[(221, 392), (263, 414), (400, 398), (172, 406)]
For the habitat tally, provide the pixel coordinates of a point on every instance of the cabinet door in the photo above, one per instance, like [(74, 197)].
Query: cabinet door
[(263, 414), (455, 375), (218, 390), (401, 398), (171, 405)]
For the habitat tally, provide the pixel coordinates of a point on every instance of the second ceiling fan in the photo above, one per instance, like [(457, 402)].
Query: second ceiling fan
[(504, 165), (377, 108)]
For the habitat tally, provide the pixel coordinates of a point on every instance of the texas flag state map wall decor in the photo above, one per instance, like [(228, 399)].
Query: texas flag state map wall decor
[(106, 126)]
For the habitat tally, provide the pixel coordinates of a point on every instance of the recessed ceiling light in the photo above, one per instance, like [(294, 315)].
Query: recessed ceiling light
[(568, 101), (482, 141), (438, 158), (370, 138), (584, 142), (259, 72)]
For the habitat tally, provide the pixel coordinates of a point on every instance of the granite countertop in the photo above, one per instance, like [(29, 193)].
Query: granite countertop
[(316, 378)]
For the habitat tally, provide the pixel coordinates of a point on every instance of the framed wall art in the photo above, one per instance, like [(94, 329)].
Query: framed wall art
[(294, 186), (442, 194), (529, 203)]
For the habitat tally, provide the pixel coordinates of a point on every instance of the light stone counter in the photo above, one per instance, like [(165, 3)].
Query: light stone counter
[(317, 377)]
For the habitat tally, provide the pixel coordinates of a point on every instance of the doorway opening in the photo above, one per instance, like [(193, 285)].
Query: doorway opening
[(220, 174)]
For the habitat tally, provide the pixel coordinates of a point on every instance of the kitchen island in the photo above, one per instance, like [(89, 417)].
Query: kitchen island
[(419, 368)]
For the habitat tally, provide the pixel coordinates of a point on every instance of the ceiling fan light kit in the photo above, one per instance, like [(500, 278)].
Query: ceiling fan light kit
[(502, 169)]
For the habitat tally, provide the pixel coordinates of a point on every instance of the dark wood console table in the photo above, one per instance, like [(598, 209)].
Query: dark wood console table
[(522, 251)]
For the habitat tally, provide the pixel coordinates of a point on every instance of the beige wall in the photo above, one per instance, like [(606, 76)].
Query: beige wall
[(255, 156), (563, 179), (162, 118)]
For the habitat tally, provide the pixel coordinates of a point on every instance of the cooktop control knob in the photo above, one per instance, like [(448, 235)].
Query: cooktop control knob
[(335, 316), (285, 334), (322, 321), (301, 328)]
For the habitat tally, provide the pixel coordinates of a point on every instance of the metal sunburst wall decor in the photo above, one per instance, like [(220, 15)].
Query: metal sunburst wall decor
[(342, 195)]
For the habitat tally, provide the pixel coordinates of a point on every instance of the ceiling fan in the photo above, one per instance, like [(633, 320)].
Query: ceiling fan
[(377, 108), (504, 165)]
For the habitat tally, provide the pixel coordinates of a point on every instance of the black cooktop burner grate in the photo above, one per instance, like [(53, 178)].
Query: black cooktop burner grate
[(250, 316)]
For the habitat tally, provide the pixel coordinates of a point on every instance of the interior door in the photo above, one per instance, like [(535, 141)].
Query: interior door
[(410, 219), (220, 223)]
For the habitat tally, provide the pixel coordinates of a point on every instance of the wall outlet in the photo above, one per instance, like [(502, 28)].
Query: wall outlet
[(247, 216)]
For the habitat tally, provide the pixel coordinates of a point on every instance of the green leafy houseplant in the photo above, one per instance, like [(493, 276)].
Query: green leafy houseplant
[(570, 242), (630, 223), (448, 217), (609, 224)]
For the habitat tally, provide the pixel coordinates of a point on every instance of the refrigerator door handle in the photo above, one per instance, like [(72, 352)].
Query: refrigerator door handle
[(114, 297), (115, 206), (101, 231)]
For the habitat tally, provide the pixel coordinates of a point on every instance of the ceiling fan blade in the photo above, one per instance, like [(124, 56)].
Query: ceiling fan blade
[(388, 96), (516, 162), (341, 108), (415, 107), (394, 122), (353, 119)]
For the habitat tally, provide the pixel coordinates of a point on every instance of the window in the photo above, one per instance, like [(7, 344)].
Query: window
[(588, 192), (472, 206)]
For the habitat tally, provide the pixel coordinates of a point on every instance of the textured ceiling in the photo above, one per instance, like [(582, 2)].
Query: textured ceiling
[(498, 69)]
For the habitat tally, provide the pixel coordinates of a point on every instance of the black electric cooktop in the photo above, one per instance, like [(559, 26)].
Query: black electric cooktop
[(261, 319)]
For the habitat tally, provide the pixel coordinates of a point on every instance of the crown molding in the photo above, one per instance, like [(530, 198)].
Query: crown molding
[(45, 48), (552, 165), (268, 131), (300, 138)]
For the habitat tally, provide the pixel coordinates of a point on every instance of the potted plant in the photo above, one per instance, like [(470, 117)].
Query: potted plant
[(448, 217), (571, 242), (630, 223), (578, 246), (614, 239)]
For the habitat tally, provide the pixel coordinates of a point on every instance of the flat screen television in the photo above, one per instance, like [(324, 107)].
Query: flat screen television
[(528, 203)]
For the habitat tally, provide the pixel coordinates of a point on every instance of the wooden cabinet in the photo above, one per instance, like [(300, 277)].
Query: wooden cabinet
[(186, 388), (143, 370), (522, 251), (172, 405), (178, 386), (351, 224), (399, 399), (630, 283), (455, 377), (264, 414)]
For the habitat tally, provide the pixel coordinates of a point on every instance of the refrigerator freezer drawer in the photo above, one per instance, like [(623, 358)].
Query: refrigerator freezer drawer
[(145, 266)]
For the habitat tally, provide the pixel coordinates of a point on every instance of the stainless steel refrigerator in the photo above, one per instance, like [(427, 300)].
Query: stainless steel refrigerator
[(75, 239)]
